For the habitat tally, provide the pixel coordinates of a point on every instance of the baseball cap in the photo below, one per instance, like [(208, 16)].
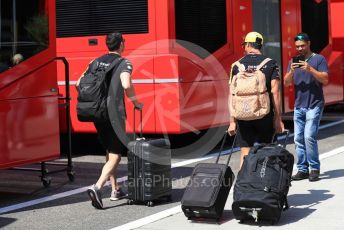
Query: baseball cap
[(301, 37), (254, 37)]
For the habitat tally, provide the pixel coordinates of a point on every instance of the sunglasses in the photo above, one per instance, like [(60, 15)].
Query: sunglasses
[(301, 38)]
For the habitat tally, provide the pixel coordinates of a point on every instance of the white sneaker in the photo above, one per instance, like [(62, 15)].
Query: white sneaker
[(117, 195), (95, 196)]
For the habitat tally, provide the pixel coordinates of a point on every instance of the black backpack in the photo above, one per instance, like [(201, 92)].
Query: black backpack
[(262, 185), (93, 93)]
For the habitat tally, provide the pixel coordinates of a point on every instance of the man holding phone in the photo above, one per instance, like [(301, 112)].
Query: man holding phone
[(309, 72), (298, 59)]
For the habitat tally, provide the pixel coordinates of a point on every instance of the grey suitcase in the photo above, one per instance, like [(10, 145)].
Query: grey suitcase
[(149, 170)]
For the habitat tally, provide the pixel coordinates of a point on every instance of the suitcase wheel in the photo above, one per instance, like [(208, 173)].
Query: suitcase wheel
[(46, 181), (70, 175), (150, 203), (130, 202)]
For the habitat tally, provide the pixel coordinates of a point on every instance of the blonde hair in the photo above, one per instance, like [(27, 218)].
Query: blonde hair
[(17, 58)]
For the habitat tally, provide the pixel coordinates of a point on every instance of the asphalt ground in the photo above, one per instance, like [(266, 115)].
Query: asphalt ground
[(26, 204)]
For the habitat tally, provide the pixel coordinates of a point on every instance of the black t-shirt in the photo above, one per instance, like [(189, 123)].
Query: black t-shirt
[(308, 90), (125, 66), (105, 60), (270, 70)]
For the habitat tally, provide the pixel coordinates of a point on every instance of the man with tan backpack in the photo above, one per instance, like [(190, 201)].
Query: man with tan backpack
[(254, 96)]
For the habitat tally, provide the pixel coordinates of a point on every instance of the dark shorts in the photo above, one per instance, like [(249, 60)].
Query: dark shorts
[(114, 142), (260, 131)]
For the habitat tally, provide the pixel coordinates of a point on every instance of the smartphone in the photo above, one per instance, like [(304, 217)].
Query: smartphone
[(297, 59)]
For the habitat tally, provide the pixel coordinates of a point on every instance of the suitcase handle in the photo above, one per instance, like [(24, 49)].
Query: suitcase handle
[(135, 122), (284, 133), (221, 149)]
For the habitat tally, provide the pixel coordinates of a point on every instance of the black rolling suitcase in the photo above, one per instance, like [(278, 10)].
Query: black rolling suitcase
[(149, 170), (262, 185), (206, 193)]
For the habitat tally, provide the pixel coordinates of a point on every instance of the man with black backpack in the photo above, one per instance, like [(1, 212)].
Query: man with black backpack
[(254, 99), (101, 100)]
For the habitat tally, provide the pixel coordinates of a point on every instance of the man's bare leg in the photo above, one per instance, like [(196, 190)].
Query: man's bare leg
[(243, 152), (109, 170)]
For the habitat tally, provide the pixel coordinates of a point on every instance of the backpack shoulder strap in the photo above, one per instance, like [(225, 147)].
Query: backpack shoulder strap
[(113, 64), (241, 67), (266, 60), (92, 66)]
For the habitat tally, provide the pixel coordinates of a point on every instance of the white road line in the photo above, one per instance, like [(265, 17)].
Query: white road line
[(122, 179), (331, 124), (50, 198), (41, 200), (332, 153)]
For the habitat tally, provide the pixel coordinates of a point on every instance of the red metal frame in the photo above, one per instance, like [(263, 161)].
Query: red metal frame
[(29, 118)]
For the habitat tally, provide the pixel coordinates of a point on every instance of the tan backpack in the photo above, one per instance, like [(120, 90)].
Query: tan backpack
[(250, 98)]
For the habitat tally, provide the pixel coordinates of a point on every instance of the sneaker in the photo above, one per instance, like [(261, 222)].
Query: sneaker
[(95, 196), (300, 175), (117, 194), (314, 175)]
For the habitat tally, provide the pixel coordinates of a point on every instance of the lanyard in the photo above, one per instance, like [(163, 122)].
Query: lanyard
[(310, 57)]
